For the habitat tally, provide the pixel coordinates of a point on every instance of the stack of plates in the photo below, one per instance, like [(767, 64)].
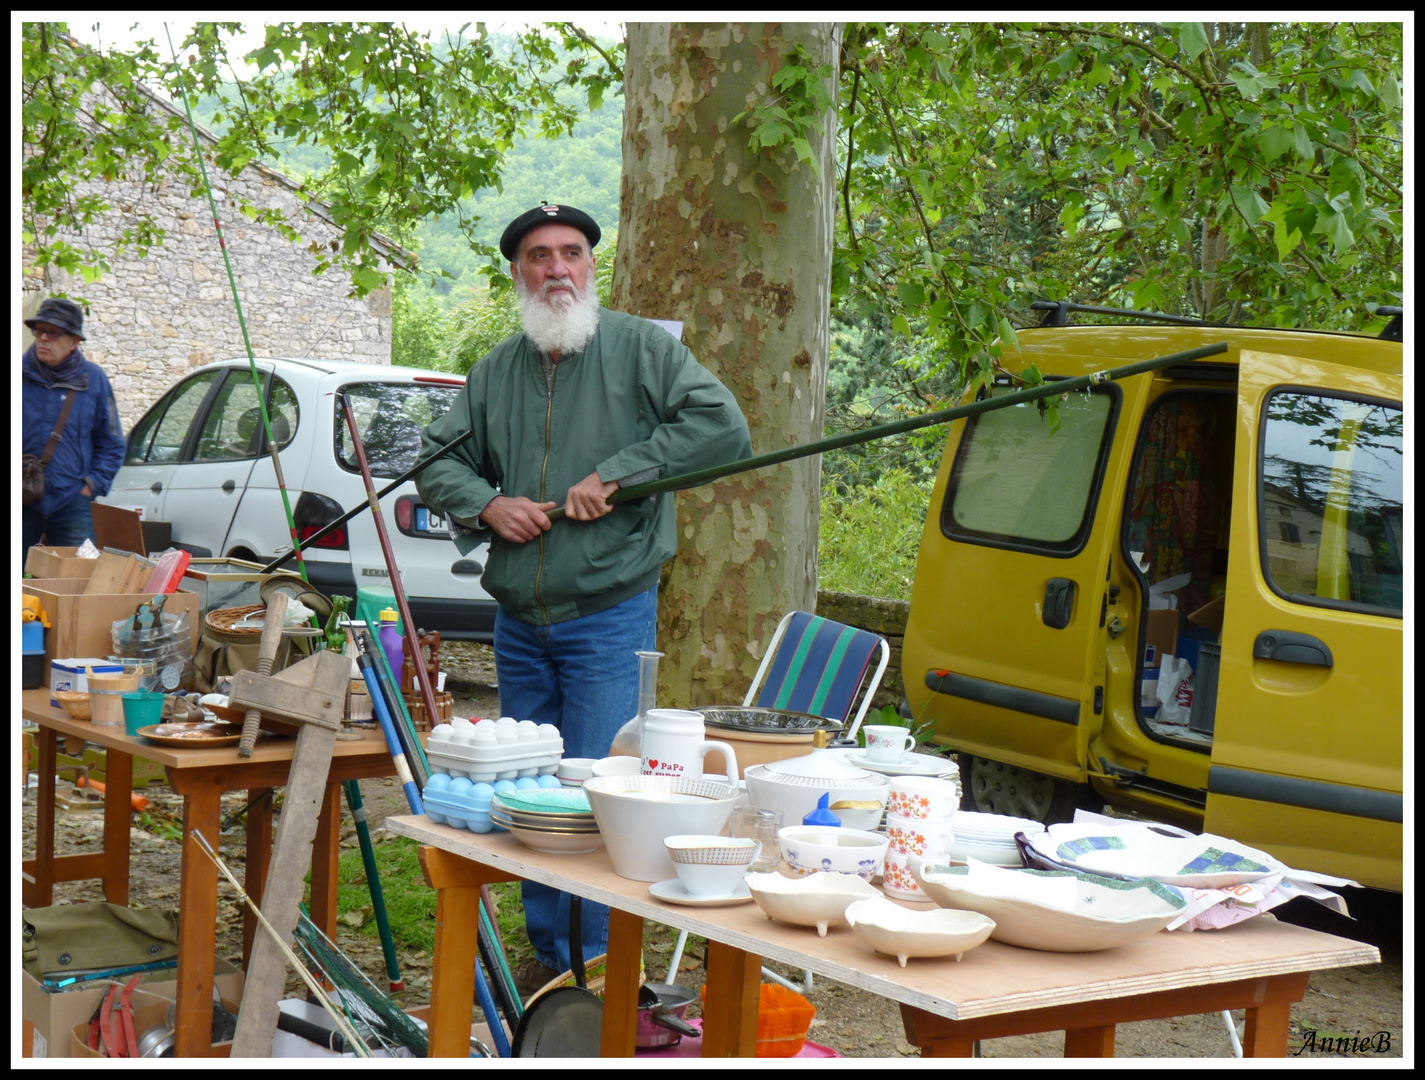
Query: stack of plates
[(989, 837), (553, 820)]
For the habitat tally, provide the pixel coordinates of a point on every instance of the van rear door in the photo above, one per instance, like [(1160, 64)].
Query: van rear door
[(1004, 621), (1307, 749)]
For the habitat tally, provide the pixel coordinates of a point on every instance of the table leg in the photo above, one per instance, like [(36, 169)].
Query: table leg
[(118, 792), (1089, 1042), (1265, 1033), (734, 987), (197, 925), (38, 890), (620, 1024), (927, 1031), (324, 861), (259, 845), (457, 884)]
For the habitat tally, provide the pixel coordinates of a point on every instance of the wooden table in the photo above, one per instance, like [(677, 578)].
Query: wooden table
[(1260, 965), (201, 776)]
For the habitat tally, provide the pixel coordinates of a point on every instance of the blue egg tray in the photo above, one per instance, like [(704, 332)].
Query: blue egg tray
[(462, 803)]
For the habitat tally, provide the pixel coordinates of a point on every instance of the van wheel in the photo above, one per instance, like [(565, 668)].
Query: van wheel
[(996, 788)]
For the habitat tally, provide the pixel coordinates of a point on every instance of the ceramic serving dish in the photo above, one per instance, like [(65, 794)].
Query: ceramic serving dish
[(792, 787), (818, 900), (551, 841), (1052, 911), (636, 814), (807, 849), (900, 932)]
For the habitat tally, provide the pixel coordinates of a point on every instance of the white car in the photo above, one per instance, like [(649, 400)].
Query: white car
[(199, 459)]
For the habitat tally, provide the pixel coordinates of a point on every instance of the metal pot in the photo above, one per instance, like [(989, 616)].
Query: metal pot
[(663, 1024)]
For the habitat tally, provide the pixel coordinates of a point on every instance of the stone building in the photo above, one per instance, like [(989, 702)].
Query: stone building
[(151, 319)]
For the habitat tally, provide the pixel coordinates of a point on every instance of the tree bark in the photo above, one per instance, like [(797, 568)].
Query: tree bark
[(738, 246)]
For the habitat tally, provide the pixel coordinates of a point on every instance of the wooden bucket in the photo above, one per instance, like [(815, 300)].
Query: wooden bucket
[(416, 706), (106, 689)]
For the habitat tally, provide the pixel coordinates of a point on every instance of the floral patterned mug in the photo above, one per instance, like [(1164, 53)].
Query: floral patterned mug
[(924, 798), (909, 836)]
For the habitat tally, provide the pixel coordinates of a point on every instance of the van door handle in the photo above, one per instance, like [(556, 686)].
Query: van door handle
[(229, 486), (156, 486), (467, 566), (1292, 648), (1058, 603)]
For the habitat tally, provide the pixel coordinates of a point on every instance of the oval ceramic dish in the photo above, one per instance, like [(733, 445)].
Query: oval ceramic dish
[(1050, 910), (818, 900), (810, 849), (900, 932), (552, 842)]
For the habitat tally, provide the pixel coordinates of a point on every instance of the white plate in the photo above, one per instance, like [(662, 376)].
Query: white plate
[(674, 893), (910, 765)]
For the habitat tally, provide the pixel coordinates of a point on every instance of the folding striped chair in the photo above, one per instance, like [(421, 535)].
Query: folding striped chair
[(818, 667)]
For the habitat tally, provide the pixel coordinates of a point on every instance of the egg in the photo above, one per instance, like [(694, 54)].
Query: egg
[(525, 783), (527, 731), (502, 787), (548, 731), (485, 733), (442, 732), (438, 781), (549, 780), (506, 729), (460, 787)]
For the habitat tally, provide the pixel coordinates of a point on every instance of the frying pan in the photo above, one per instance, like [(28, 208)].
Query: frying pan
[(568, 1020), (660, 1015)]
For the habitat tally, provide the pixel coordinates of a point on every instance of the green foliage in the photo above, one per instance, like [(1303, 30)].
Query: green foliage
[(418, 335), (1244, 173), (870, 535), (791, 119)]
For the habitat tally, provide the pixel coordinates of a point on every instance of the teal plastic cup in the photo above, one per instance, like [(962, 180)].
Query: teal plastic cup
[(142, 708)]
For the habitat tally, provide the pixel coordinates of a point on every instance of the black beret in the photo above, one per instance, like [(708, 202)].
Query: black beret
[(546, 214)]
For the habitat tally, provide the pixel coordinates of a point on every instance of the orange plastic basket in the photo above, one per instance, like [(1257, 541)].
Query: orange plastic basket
[(783, 1019)]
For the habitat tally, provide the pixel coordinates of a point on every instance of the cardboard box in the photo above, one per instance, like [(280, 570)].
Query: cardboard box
[(1162, 637), (57, 562), (150, 1011), (50, 1018), (81, 625), (1209, 616)]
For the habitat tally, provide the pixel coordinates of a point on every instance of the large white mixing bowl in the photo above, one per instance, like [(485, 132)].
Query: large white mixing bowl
[(637, 813)]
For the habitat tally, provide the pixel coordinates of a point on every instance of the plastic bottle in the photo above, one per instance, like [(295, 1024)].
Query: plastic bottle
[(392, 644)]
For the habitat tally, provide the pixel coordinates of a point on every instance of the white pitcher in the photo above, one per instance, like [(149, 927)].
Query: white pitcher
[(674, 745)]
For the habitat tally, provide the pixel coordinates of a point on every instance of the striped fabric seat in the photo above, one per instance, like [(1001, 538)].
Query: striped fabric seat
[(819, 667)]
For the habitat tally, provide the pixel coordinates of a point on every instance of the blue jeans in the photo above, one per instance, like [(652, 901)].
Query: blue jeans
[(582, 677), (67, 526)]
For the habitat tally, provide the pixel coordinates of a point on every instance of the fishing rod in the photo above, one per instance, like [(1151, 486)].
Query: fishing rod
[(987, 404)]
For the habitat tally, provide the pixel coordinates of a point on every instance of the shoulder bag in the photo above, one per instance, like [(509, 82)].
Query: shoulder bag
[(32, 468)]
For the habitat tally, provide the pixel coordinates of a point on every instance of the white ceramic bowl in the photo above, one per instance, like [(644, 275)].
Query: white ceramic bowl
[(636, 814), (900, 932), (574, 770), (818, 899), (1050, 910), (616, 766), (807, 849), (711, 865), (795, 800)]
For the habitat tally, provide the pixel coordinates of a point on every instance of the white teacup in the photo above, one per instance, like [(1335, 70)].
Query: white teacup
[(886, 743), (924, 798), (711, 865), (897, 879)]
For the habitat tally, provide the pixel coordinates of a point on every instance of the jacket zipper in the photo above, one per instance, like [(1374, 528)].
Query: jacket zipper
[(549, 376)]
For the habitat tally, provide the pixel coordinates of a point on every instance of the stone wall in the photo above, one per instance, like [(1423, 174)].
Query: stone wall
[(881, 616), (152, 319)]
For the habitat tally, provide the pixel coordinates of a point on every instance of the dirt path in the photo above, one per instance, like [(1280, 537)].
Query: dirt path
[(1346, 1002)]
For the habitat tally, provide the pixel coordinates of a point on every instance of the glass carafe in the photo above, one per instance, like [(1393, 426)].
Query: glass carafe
[(629, 740)]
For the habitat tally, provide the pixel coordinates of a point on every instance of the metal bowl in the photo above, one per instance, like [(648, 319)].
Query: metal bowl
[(760, 721)]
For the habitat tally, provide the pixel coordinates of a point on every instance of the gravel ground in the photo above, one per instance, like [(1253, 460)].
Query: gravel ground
[(1347, 1002)]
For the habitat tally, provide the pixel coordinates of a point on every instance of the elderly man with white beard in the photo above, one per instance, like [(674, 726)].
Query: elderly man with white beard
[(580, 403)]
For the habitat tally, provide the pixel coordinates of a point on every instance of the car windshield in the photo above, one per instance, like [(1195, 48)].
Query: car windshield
[(390, 417)]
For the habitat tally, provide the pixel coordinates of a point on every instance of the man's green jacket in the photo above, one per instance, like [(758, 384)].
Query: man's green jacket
[(633, 406)]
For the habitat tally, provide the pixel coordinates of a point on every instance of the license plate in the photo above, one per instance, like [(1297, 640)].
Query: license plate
[(428, 523)]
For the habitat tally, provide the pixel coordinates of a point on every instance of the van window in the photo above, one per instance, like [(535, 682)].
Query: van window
[(1015, 484), (390, 417), (1331, 503)]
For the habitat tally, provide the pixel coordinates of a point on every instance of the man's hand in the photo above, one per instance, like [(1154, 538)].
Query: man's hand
[(588, 499), (517, 519)]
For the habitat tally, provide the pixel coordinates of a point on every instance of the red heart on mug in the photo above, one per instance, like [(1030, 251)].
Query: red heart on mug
[(653, 763)]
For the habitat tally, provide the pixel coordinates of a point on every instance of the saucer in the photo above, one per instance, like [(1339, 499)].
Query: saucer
[(910, 765), (674, 893)]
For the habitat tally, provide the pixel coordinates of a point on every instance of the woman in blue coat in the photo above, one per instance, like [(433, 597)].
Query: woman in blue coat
[(91, 445)]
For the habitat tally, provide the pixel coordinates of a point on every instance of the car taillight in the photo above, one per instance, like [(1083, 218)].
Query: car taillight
[(314, 512), (405, 515)]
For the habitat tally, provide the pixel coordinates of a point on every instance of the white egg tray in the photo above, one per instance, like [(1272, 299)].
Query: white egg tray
[(490, 750)]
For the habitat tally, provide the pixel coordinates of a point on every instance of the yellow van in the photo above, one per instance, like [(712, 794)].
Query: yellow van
[(1242, 513)]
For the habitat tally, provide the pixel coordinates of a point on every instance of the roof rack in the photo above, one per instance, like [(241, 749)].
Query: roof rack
[(1395, 329), (1057, 312)]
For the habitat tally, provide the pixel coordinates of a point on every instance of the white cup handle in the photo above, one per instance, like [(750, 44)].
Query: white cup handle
[(908, 741), (730, 755)]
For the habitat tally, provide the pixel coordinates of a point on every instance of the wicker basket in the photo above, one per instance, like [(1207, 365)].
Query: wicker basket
[(74, 702), (224, 620)]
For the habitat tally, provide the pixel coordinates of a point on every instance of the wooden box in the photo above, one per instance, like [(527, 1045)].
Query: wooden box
[(82, 625), (57, 562)]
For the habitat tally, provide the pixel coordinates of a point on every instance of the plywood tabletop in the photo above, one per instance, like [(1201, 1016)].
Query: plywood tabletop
[(989, 980)]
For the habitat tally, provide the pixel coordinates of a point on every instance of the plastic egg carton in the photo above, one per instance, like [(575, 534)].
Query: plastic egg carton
[(485, 751), (462, 803)]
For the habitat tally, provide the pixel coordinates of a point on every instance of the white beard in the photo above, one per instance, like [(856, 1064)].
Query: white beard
[(559, 324)]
